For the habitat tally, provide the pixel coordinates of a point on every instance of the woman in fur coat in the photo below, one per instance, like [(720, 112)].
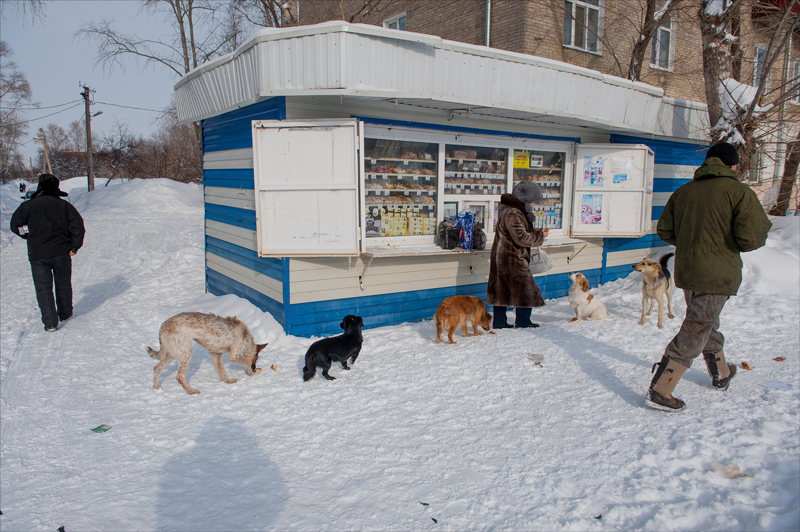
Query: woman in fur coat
[(511, 283)]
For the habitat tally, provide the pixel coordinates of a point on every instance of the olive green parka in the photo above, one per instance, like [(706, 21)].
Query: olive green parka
[(710, 220)]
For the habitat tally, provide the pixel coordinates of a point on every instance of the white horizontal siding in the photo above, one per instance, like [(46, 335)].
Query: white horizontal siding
[(338, 278), (228, 159), (257, 281), (231, 197), (632, 256), (239, 236)]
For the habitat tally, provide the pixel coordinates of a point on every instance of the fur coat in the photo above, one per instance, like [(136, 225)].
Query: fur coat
[(511, 283)]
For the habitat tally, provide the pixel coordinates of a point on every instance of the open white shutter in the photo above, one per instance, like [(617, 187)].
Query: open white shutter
[(307, 179), (613, 190)]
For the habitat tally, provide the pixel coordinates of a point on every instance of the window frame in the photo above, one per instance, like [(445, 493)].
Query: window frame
[(656, 40), (396, 19), (573, 24), (757, 64), (795, 81)]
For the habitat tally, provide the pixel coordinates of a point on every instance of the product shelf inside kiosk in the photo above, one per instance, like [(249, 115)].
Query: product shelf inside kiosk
[(339, 187)]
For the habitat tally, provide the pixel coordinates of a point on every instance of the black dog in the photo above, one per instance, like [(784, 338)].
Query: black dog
[(337, 348)]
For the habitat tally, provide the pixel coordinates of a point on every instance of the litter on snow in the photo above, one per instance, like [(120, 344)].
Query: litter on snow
[(101, 428), (730, 472)]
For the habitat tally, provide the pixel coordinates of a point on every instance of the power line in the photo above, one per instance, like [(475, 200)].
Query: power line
[(25, 108), (129, 107), (45, 116)]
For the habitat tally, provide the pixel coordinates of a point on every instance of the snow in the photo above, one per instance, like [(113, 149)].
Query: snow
[(474, 435), (714, 7), (735, 97)]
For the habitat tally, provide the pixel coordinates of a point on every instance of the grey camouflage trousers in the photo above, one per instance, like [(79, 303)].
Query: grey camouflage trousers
[(698, 332)]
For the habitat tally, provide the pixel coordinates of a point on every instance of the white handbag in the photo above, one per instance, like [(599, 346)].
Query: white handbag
[(540, 261)]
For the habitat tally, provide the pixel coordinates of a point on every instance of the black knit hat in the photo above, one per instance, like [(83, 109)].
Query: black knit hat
[(48, 183), (724, 152), (527, 192)]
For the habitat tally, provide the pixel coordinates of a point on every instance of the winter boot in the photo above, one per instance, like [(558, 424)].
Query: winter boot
[(721, 372), (659, 395)]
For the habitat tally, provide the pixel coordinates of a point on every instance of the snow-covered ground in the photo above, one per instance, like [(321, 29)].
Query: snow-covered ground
[(418, 436)]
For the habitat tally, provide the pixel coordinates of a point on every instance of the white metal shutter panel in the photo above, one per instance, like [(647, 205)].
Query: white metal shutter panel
[(307, 193), (613, 190)]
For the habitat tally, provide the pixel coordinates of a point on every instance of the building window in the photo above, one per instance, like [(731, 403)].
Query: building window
[(795, 83), (756, 169), (582, 24), (396, 23), (759, 60), (662, 47)]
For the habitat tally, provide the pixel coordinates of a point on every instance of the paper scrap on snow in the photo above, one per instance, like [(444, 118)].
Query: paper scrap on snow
[(778, 359), (747, 366), (101, 428), (777, 385), (730, 472), (536, 359)]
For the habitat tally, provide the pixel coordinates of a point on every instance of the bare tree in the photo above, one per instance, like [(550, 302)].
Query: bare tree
[(34, 8), (265, 13), (737, 112), (120, 153), (15, 92), (201, 31)]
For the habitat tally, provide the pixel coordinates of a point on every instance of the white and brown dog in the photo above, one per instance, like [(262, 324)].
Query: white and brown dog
[(216, 334), (584, 303), (656, 283)]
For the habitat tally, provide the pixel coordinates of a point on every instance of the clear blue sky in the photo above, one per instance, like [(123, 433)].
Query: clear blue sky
[(56, 64)]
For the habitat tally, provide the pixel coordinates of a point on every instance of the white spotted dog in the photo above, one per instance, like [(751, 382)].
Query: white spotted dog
[(584, 303)]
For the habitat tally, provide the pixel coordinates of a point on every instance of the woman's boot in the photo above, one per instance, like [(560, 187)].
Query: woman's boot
[(659, 395)]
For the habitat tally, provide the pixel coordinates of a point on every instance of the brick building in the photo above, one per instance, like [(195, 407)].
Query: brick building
[(552, 29)]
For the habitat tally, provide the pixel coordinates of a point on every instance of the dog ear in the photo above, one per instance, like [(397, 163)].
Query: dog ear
[(259, 347), (342, 325), (360, 321), (583, 282)]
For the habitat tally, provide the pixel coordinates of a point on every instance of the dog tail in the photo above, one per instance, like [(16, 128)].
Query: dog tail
[(663, 261), (153, 353)]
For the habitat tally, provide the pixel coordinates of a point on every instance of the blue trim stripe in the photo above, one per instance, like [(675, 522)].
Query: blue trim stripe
[(287, 295), (656, 213), (232, 130), (246, 257), (220, 285), (242, 178), (231, 215), (668, 152), (668, 184), (627, 244), (437, 127)]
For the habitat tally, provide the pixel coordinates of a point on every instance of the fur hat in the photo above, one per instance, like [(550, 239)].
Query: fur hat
[(724, 152), (48, 183), (527, 192)]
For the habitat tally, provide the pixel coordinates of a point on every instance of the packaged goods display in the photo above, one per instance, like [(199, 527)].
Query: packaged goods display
[(547, 170), (400, 182), (475, 170)]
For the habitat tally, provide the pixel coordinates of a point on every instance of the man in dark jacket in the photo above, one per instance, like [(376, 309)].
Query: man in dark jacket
[(709, 220), (511, 283), (54, 231)]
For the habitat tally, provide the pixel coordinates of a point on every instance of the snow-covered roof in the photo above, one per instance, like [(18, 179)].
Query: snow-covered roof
[(370, 62)]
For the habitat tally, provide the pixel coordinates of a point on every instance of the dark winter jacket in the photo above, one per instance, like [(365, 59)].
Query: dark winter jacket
[(54, 226), (511, 283), (710, 220)]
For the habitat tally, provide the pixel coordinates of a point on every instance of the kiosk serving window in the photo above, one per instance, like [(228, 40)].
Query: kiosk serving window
[(546, 168), (400, 182), (336, 186)]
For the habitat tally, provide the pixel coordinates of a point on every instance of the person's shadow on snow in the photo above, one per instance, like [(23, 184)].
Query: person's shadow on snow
[(95, 295), (224, 482)]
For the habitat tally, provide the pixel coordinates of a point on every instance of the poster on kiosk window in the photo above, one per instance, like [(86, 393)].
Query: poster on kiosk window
[(613, 194)]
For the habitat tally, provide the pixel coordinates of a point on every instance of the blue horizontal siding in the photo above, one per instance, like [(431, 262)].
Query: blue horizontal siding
[(627, 244), (220, 285), (231, 216), (668, 152), (618, 272), (232, 130), (668, 184), (656, 212), (248, 258), (242, 178)]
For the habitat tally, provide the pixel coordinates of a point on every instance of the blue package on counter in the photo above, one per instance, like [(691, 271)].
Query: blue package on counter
[(466, 221)]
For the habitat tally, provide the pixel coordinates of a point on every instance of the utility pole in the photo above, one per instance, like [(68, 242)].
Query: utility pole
[(89, 170), (46, 162)]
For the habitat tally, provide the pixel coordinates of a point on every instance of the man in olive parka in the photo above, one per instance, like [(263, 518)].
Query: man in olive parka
[(709, 220)]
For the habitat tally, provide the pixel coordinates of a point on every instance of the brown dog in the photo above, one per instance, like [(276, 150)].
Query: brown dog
[(215, 334), (656, 283), (460, 311)]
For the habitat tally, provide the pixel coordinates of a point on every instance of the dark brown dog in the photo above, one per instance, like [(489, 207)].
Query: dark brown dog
[(460, 311)]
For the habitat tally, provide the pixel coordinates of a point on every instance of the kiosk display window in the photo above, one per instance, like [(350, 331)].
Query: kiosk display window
[(546, 168)]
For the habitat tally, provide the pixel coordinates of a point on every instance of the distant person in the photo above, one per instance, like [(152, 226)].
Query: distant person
[(709, 220), (54, 231), (22, 187), (511, 283)]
